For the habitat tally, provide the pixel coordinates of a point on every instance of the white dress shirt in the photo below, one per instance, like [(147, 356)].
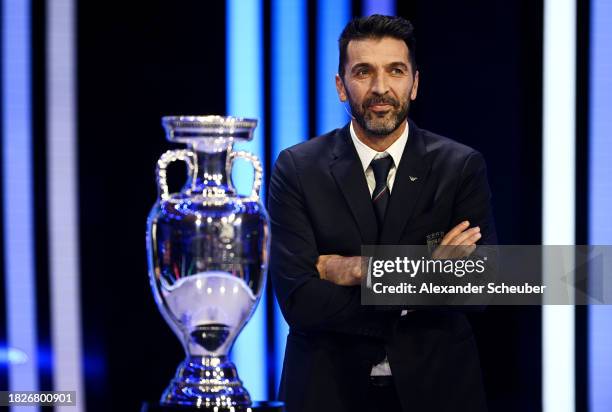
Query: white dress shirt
[(366, 155)]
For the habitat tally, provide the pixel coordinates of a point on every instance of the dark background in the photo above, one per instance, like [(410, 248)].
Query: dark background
[(480, 65)]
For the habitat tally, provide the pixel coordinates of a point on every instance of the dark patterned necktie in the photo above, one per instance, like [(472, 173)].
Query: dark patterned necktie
[(380, 196)]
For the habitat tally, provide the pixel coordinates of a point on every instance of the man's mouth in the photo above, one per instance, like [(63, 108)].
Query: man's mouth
[(380, 107)]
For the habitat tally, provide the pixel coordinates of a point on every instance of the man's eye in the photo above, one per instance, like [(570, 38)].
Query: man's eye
[(362, 72), (397, 70)]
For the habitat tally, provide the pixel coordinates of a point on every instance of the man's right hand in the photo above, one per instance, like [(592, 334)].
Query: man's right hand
[(459, 242)]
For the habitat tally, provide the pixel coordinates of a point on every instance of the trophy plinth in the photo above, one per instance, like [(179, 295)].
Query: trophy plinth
[(267, 406), (208, 257)]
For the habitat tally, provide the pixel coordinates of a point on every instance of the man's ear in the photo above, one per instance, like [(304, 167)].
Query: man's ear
[(340, 88), (415, 86)]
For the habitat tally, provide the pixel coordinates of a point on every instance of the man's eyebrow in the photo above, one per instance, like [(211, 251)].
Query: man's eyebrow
[(360, 65), (395, 64), (368, 65)]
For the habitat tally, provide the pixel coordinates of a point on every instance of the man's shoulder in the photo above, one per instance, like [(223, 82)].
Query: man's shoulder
[(449, 157)]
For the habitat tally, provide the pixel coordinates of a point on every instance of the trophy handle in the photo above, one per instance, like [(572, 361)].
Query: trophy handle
[(257, 168), (170, 156)]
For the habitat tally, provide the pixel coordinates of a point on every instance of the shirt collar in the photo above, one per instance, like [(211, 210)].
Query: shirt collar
[(367, 154)]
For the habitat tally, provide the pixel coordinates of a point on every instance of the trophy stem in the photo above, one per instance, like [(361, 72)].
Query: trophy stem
[(211, 382)]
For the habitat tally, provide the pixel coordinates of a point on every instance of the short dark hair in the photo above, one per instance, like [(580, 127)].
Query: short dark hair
[(377, 26)]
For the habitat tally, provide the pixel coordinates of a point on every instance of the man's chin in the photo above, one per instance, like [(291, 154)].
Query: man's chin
[(380, 131), (380, 128)]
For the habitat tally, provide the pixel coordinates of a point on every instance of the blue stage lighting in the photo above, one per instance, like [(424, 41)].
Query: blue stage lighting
[(19, 275), (600, 196), (245, 98), (332, 16)]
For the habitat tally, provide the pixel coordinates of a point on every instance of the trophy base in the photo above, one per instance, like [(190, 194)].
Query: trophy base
[(263, 406), (207, 381)]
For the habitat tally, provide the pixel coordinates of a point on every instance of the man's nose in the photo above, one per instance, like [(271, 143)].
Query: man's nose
[(380, 84)]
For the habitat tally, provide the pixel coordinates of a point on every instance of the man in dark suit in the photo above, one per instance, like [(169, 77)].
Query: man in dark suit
[(378, 180)]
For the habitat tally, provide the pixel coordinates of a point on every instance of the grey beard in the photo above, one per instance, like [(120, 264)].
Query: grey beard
[(382, 129)]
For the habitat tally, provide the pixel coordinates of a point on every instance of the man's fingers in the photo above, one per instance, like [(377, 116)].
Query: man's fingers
[(475, 238), (457, 247), (322, 265), (459, 242), (466, 237), (341, 270), (454, 232)]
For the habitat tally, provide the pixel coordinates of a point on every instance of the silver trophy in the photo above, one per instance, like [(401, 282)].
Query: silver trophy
[(208, 257)]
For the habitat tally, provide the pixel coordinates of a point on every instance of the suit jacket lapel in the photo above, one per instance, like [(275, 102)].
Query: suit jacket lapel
[(409, 180), (350, 178)]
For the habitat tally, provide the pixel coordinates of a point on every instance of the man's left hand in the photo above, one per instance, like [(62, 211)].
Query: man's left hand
[(341, 270)]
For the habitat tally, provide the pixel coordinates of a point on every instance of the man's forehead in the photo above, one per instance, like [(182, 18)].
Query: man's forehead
[(377, 50)]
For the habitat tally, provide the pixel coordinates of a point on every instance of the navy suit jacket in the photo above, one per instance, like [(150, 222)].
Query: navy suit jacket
[(319, 203)]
